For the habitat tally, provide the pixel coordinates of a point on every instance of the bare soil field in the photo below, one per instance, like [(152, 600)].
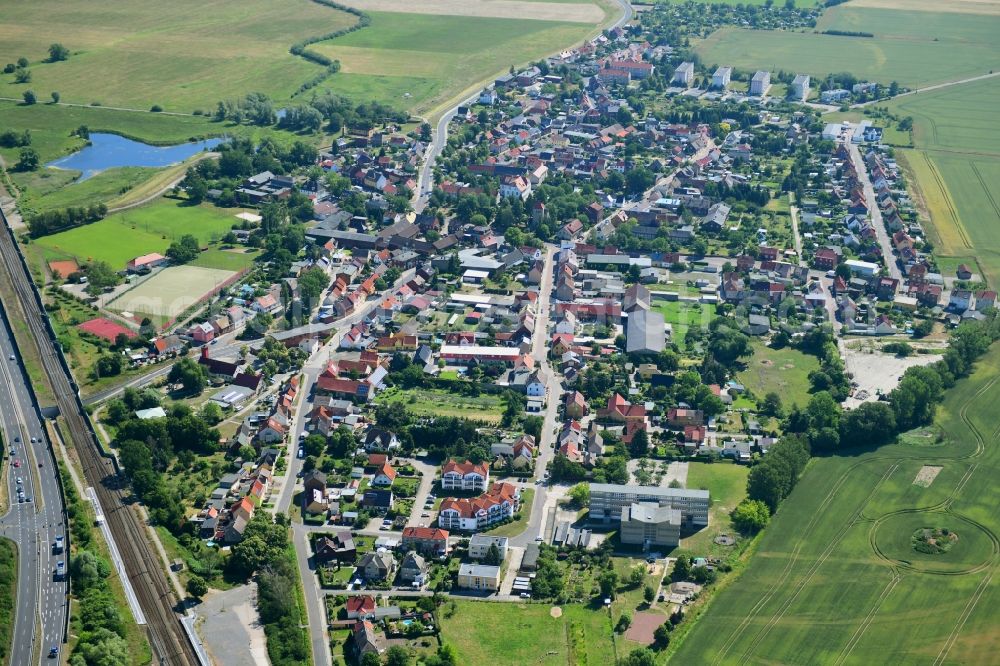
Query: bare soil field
[(520, 9), (991, 7), (925, 477)]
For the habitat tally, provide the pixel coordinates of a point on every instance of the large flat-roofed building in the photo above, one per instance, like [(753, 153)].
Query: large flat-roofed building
[(608, 500), (800, 88), (760, 83), (649, 524), (722, 77), (683, 75)]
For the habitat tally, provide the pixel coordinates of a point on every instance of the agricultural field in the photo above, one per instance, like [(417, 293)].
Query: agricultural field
[(956, 165), (914, 48), (843, 572), (170, 292), (134, 54), (439, 402), (423, 61), (784, 371), (129, 234)]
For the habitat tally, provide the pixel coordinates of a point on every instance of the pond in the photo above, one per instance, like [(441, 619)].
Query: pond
[(109, 151)]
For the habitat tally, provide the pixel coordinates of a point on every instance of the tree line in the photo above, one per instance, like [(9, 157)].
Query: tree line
[(54, 221)]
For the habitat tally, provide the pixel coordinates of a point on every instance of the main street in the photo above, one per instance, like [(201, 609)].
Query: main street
[(872, 203), (40, 614)]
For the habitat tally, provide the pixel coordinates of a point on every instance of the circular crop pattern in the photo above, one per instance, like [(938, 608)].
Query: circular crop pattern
[(933, 542)]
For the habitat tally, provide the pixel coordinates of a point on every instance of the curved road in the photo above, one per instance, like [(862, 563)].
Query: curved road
[(440, 137)]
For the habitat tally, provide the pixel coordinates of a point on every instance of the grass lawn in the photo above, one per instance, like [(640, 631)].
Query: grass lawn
[(8, 595), (515, 527), (235, 259), (727, 485), (913, 48), (123, 236), (956, 166), (835, 577), (784, 371), (134, 54), (421, 61), (682, 315), (436, 402), (530, 634)]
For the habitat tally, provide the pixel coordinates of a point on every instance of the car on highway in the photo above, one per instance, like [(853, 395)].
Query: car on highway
[(12, 357), (57, 545), (17, 462), (20, 481), (53, 652), (60, 569)]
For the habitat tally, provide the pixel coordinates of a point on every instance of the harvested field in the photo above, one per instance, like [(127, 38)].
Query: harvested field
[(171, 291), (925, 477), (642, 627), (522, 9)]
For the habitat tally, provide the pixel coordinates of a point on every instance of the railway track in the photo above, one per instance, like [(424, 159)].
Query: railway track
[(167, 636)]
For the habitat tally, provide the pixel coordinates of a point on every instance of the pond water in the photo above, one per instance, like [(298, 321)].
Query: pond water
[(109, 151)]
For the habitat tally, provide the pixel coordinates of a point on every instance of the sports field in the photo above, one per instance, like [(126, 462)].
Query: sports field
[(171, 291), (422, 61), (837, 578), (914, 48), (956, 163), (184, 56), (123, 236)]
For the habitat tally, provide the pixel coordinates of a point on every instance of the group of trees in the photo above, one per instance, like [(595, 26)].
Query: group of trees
[(184, 250), (773, 478), (54, 221), (102, 639)]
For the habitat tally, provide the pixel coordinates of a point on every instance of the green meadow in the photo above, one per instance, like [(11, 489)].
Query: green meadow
[(421, 61), (784, 371), (836, 578), (914, 48), (123, 236), (184, 56)]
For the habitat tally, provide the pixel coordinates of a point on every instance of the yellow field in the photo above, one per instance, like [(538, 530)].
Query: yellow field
[(951, 6)]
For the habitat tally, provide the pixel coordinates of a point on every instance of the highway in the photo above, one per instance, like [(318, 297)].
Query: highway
[(42, 599), (167, 637)]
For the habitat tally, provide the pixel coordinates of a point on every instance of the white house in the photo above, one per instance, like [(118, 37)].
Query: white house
[(760, 83), (800, 88), (683, 75), (721, 77), (466, 476)]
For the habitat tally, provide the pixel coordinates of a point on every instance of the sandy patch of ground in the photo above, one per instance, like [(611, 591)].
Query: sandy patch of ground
[(642, 627), (925, 477), (874, 371), (542, 11), (230, 629), (555, 611), (991, 7)]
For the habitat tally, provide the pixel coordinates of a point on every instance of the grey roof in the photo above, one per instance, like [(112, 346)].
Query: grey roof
[(480, 570), (647, 512), (650, 491), (645, 332)]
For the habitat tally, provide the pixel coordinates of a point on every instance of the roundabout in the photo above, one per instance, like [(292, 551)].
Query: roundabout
[(934, 542)]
